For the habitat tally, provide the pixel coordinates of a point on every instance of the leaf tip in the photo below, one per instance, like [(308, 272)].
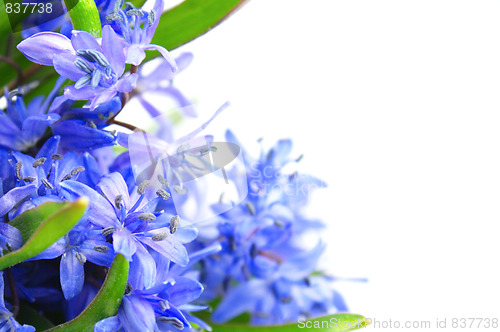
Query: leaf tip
[(82, 202)]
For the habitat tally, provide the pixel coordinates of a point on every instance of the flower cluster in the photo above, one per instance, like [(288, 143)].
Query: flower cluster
[(58, 148), (264, 268)]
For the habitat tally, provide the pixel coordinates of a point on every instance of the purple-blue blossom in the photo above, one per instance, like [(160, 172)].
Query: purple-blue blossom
[(23, 125), (97, 68), (263, 268), (137, 27), (84, 242), (130, 219)]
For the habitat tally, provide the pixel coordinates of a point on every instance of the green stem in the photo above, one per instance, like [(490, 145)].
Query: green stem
[(84, 16)]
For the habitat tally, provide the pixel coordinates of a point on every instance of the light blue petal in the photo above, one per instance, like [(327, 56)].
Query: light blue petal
[(41, 47), (15, 196), (136, 314), (98, 257), (113, 50), (170, 247), (9, 133), (72, 274), (143, 268), (100, 211), (111, 324), (240, 299), (112, 185), (184, 290), (82, 40), (164, 52), (124, 243), (11, 235), (127, 83), (64, 65)]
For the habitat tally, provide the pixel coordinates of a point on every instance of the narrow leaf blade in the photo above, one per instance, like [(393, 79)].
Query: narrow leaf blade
[(191, 19), (48, 232), (29, 221)]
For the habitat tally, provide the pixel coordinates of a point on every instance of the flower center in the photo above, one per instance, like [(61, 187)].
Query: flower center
[(98, 71)]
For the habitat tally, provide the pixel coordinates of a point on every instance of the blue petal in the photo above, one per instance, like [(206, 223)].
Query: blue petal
[(124, 243), (136, 314), (165, 53), (135, 55), (82, 40), (158, 10), (113, 185), (72, 274), (184, 290), (241, 299), (76, 136), (34, 126), (186, 234), (64, 65), (85, 93), (9, 133), (104, 95), (111, 324), (301, 266), (339, 302), (41, 47), (10, 235), (49, 148), (142, 269), (127, 83), (100, 212), (27, 169), (92, 172), (170, 247), (15, 196), (263, 267), (113, 50), (96, 257)]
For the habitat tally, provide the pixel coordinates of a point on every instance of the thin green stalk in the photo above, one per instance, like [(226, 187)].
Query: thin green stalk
[(84, 16)]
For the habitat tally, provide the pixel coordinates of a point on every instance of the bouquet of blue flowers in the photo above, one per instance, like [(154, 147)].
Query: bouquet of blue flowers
[(111, 225)]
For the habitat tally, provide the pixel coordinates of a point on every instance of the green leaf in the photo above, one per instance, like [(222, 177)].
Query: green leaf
[(29, 221), (39, 234), (191, 19), (106, 302), (332, 323)]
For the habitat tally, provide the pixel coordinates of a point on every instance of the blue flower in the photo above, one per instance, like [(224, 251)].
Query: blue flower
[(22, 126), (264, 268), (97, 70), (137, 27), (132, 222), (165, 306), (47, 170), (82, 243)]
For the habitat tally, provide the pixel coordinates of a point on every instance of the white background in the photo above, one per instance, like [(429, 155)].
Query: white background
[(395, 104)]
